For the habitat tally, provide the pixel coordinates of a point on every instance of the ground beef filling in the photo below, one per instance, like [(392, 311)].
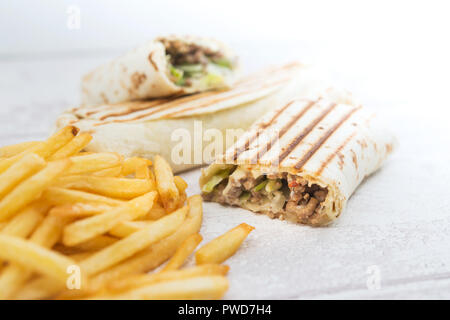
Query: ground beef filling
[(188, 53), (291, 198)]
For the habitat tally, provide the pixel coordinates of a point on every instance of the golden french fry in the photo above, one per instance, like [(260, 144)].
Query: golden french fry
[(143, 172), (131, 164), (15, 149), (125, 228), (22, 169), (141, 280), (60, 196), (88, 228), (79, 210), (94, 244), (155, 213), (31, 188), (108, 172), (35, 257), (165, 184), (72, 147), (137, 241), (196, 288), (156, 254), (2, 225), (183, 252), (39, 288), (223, 247), (180, 183), (57, 141), (93, 162), (121, 188), (24, 222)]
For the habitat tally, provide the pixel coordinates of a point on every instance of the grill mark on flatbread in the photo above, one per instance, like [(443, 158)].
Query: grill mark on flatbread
[(150, 58), (305, 132), (208, 103), (283, 131), (130, 110), (319, 142), (177, 102), (337, 151), (263, 126)]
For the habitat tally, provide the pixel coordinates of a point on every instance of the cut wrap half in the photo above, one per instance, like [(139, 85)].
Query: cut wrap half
[(163, 67), (146, 128), (300, 162)]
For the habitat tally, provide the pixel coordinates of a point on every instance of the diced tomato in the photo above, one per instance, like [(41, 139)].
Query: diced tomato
[(293, 184)]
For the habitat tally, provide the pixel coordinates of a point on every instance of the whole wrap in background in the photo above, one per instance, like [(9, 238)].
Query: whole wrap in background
[(141, 74), (144, 128)]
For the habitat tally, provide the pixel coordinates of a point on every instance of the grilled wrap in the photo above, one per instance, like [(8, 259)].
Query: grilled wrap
[(300, 162), (145, 128), (163, 67)]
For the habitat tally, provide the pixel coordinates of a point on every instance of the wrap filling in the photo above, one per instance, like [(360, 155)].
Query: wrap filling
[(279, 195), (192, 65)]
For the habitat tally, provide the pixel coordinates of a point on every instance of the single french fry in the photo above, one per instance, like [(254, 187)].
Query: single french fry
[(134, 243), (156, 212), (142, 172), (108, 172), (79, 210), (196, 288), (35, 257), (180, 183), (21, 170), (165, 184), (74, 146), (125, 228), (183, 252), (121, 188), (141, 280), (156, 254), (223, 247), (94, 244), (15, 149), (25, 221), (89, 228), (60, 196), (131, 164), (93, 162), (31, 188)]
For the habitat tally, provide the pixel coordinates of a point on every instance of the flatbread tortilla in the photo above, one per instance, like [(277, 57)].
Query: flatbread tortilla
[(300, 162), (146, 128), (165, 66)]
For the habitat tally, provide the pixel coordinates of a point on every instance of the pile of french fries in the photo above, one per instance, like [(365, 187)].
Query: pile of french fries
[(82, 225)]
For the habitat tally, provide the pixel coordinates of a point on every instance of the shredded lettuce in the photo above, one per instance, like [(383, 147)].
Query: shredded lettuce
[(260, 186), (273, 185), (215, 180), (223, 63), (177, 74), (191, 68)]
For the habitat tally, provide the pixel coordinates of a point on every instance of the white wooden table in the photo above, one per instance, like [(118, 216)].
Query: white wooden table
[(396, 228)]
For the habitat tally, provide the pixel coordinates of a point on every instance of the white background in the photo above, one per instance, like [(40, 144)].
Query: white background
[(393, 55)]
